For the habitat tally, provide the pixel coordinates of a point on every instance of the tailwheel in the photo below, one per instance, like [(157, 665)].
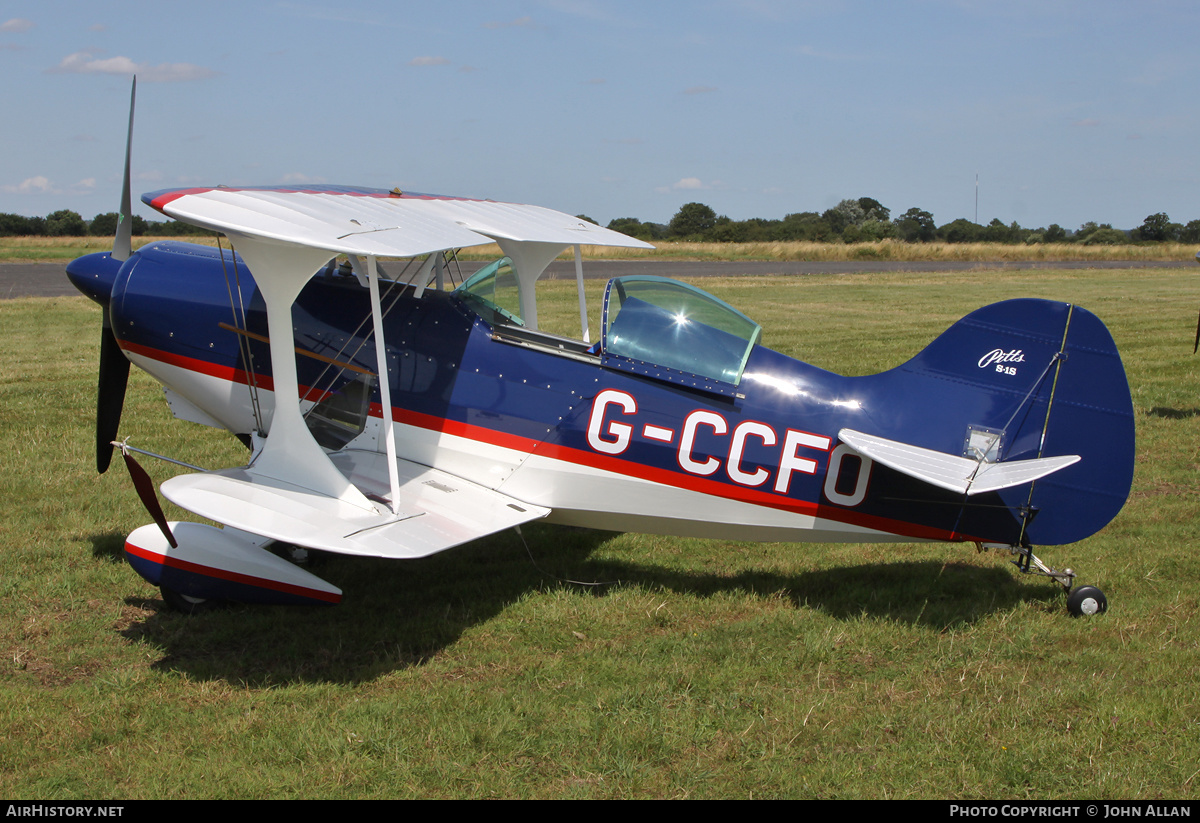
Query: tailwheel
[(1086, 600), (186, 604)]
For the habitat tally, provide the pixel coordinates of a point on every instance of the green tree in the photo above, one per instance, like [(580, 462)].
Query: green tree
[(65, 223), (636, 228), (873, 229), (997, 232), (104, 225), (961, 231), (807, 225), (692, 220), (873, 209), (915, 226), (725, 230), (1158, 228), (1055, 234), (845, 213), (18, 225), (1155, 226), (1087, 229), (760, 230), (1106, 236)]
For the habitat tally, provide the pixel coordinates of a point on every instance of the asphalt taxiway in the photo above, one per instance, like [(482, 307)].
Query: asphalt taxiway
[(50, 279)]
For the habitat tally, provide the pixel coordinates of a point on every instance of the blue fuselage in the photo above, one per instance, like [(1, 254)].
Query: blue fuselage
[(625, 446)]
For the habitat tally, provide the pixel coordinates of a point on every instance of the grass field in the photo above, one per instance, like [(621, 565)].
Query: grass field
[(700, 669)]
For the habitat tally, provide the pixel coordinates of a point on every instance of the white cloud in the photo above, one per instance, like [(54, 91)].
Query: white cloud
[(690, 184), (17, 24), (83, 62), (31, 185), (429, 61), (684, 184)]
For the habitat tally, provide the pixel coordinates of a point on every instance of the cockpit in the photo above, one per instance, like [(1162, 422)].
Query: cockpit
[(651, 326), (493, 293), (680, 330)]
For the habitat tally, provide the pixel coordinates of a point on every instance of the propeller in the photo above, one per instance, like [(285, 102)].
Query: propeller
[(114, 367)]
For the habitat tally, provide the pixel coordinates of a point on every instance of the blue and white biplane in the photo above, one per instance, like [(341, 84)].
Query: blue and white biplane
[(388, 416)]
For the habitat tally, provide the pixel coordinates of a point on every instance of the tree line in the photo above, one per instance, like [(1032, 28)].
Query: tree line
[(866, 219), (850, 221), (66, 223)]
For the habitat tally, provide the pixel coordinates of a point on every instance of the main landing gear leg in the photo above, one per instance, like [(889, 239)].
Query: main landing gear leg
[(1085, 600)]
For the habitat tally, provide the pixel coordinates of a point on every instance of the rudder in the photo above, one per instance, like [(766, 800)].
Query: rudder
[(1047, 377)]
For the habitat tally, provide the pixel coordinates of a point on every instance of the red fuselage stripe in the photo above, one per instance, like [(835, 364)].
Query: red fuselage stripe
[(585, 458)]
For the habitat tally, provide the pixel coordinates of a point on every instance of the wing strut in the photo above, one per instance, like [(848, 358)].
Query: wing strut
[(291, 455), (583, 318), (385, 391)]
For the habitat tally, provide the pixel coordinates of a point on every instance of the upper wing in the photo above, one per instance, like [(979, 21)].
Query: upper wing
[(376, 221), (948, 471)]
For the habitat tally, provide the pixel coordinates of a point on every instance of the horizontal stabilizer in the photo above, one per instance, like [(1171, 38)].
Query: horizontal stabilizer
[(947, 471), (437, 511)]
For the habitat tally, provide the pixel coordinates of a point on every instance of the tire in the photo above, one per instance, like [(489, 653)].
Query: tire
[(1086, 601), (186, 604)]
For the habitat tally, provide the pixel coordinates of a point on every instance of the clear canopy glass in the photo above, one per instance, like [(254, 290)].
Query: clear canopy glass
[(677, 326)]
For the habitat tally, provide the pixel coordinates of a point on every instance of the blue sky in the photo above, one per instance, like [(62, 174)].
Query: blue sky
[(1067, 111)]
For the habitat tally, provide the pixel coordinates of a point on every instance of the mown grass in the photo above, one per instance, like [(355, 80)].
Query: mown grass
[(64, 249), (699, 669)]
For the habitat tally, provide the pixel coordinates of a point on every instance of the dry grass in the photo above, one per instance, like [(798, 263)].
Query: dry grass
[(64, 249), (896, 250)]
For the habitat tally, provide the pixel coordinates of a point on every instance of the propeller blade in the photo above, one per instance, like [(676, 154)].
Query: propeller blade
[(1196, 345), (145, 489), (110, 394), (123, 242), (114, 367)]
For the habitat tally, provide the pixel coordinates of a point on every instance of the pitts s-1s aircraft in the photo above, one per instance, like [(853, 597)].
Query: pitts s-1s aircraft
[(390, 417)]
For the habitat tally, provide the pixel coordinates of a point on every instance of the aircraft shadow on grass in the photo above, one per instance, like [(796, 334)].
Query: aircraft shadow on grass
[(403, 615), (1173, 414)]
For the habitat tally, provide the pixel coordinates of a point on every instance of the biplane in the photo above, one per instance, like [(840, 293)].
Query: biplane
[(388, 415)]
